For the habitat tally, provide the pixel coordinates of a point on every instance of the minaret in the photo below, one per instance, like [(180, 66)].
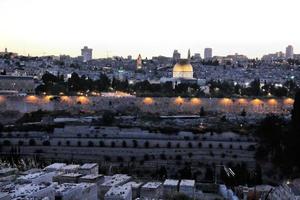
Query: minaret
[(189, 55)]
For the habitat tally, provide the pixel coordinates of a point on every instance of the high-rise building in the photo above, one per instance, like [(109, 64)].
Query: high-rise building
[(176, 56), (139, 62), (208, 53), (87, 54), (289, 52)]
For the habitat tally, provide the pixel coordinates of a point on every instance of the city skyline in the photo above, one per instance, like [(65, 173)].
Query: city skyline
[(150, 28)]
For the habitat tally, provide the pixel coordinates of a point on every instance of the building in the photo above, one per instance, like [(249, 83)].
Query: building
[(96, 179), (170, 186), (187, 187), (54, 167), (37, 178), (68, 178), (115, 180), (89, 168), (21, 84), (135, 187), (289, 52), (152, 190), (207, 53), (183, 69), (119, 193), (71, 191), (139, 62), (87, 54), (29, 191), (197, 57), (176, 56), (70, 168)]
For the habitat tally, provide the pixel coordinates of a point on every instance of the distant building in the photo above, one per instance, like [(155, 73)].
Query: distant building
[(207, 53), (139, 62), (87, 54), (197, 57), (176, 56), (289, 52), (129, 57), (21, 84)]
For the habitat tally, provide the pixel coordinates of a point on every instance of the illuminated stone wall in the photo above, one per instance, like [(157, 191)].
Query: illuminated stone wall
[(154, 105)]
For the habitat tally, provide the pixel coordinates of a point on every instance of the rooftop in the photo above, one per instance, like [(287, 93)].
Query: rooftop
[(91, 176), (70, 167), (55, 166), (88, 165), (186, 182), (71, 175), (134, 184), (171, 182), (116, 179), (152, 185)]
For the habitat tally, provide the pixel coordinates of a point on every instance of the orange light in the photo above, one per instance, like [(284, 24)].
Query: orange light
[(32, 99), (47, 98), (272, 102), (179, 101), (256, 102), (2, 99), (226, 101), (83, 100), (148, 101), (195, 101), (66, 99), (242, 101), (289, 101)]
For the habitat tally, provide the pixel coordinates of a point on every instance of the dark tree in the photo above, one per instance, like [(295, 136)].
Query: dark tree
[(108, 118), (296, 112)]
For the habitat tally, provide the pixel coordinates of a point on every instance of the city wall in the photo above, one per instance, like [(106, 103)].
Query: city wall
[(163, 106)]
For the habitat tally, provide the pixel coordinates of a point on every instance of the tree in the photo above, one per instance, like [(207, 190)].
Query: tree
[(243, 113), (135, 143), (202, 112), (46, 143), (108, 118), (112, 144), (6, 143), (90, 144), (32, 142), (101, 144), (296, 112), (124, 144), (1, 127), (146, 144)]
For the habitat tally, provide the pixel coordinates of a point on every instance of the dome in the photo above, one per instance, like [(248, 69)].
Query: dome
[(183, 69)]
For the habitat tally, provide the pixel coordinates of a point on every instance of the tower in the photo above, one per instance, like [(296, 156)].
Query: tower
[(87, 54), (189, 55), (207, 53), (139, 63), (289, 52)]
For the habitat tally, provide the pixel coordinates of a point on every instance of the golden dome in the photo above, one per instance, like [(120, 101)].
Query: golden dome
[(183, 69)]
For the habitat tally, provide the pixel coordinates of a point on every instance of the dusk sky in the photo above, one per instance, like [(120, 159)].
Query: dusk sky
[(152, 27)]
